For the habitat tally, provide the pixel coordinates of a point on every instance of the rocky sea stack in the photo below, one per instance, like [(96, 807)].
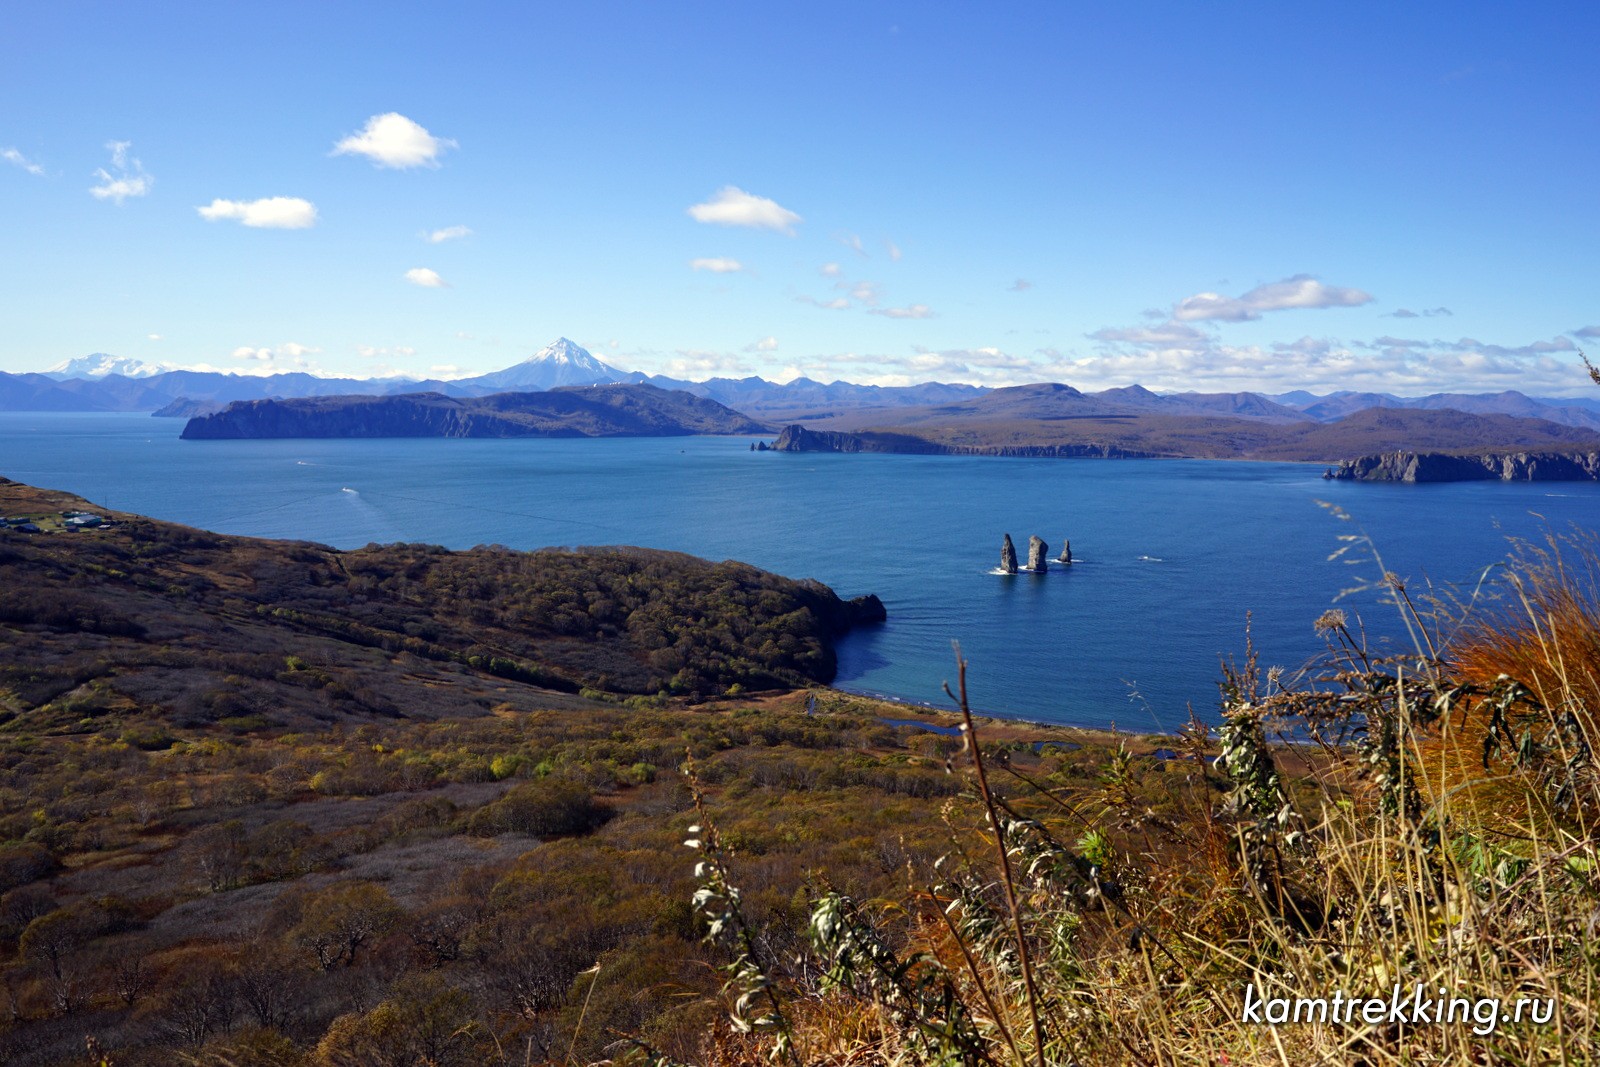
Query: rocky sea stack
[(1037, 551)]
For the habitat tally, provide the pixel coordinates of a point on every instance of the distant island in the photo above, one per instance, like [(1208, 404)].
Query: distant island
[(1468, 467), (572, 411)]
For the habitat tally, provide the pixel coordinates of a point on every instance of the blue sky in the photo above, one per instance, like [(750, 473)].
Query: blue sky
[(1272, 196)]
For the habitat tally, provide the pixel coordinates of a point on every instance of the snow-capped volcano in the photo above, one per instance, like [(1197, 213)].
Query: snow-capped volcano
[(561, 362), (100, 364)]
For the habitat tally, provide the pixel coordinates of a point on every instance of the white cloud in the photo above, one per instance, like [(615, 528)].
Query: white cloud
[(732, 206), (425, 277), (12, 156), (915, 311), (766, 344), (154, 336), (830, 270), (717, 265), (1300, 291), (127, 176), (894, 249), (1021, 285), (392, 140), (697, 365), (277, 359), (268, 213), (449, 233), (852, 241), (374, 352)]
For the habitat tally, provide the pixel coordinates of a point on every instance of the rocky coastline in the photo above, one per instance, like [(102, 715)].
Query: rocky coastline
[(1480, 467), (802, 439)]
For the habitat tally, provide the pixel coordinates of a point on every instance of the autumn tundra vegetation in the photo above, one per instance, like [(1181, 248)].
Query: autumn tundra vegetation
[(273, 805)]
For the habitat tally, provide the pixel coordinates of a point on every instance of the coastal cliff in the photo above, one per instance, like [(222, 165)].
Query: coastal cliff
[(1488, 466)]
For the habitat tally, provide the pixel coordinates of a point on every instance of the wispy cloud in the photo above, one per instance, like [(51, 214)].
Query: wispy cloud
[(425, 277), (268, 213), (830, 270), (1171, 333), (766, 344), (837, 304), (1021, 285), (693, 364), (1407, 313), (17, 159), (1176, 357), (867, 293), (915, 311), (852, 241), (125, 178), (449, 233), (732, 206), (394, 141), (717, 265), (1300, 291), (893, 249), (974, 366), (1587, 332)]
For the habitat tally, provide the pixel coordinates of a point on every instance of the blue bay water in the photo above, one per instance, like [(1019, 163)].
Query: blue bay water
[(1174, 554)]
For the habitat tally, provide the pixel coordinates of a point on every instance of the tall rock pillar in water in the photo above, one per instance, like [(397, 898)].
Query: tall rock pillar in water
[(1008, 556), (1037, 550), (1066, 552)]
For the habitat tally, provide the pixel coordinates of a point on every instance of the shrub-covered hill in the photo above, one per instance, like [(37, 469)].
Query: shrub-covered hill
[(587, 411), (144, 614)]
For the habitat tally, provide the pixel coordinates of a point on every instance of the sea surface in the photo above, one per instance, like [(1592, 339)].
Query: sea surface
[(1173, 556)]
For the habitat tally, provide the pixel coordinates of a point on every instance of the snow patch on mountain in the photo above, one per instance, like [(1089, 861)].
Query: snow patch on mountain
[(100, 364)]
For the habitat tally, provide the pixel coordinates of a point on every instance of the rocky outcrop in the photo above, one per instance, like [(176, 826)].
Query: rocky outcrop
[(1066, 552), (1008, 556), (1482, 467), (187, 408), (1037, 550), (867, 610), (800, 439)]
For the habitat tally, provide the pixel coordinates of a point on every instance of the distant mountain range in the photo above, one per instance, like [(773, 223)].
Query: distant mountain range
[(104, 382)]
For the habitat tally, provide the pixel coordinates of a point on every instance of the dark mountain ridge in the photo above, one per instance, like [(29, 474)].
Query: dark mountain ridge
[(579, 411)]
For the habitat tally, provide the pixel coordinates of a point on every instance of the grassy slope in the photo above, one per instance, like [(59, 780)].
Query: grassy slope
[(225, 834)]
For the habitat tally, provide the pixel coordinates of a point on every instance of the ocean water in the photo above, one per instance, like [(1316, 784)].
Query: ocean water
[(1174, 556)]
